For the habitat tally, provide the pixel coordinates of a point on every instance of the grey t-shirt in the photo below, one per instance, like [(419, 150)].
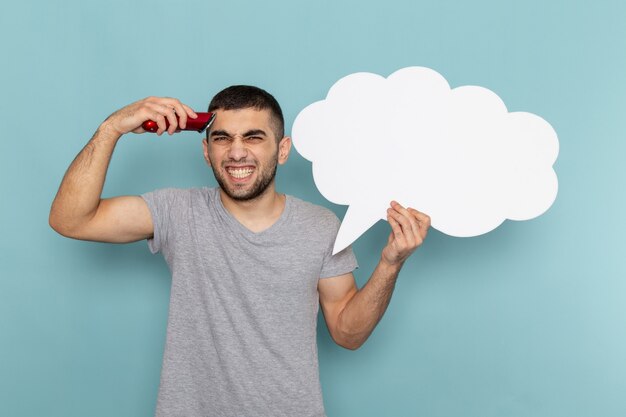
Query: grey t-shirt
[(241, 334)]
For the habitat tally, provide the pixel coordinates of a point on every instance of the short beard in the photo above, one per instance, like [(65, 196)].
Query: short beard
[(266, 178)]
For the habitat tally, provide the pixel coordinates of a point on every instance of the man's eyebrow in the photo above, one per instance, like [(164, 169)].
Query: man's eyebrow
[(254, 132), (219, 133)]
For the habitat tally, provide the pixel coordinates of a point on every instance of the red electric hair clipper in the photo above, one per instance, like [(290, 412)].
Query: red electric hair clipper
[(199, 124)]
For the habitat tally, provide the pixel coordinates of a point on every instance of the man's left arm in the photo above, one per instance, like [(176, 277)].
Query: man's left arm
[(352, 314)]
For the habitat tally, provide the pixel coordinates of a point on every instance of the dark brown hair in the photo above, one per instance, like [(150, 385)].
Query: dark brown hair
[(238, 97)]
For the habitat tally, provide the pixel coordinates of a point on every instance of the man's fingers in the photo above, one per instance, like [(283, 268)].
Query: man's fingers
[(406, 232), (423, 218), (189, 111), (169, 112), (172, 110), (396, 229), (183, 112), (409, 223), (161, 126), (415, 224), (155, 112), (423, 221)]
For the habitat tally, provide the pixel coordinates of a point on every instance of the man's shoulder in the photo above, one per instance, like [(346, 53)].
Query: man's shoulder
[(311, 212), (176, 196), (179, 192)]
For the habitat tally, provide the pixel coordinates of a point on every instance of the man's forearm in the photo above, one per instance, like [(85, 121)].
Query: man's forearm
[(80, 191), (363, 312)]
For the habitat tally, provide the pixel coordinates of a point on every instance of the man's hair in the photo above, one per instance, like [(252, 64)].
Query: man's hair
[(239, 97)]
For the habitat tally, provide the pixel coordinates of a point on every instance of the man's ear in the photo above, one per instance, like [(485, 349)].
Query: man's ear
[(284, 147), (205, 147)]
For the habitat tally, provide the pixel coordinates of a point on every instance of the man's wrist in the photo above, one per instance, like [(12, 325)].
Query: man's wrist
[(391, 267), (107, 132)]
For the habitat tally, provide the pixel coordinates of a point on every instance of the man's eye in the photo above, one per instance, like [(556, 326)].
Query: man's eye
[(220, 138), (254, 138)]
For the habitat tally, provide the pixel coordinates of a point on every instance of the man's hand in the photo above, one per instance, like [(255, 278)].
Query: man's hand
[(131, 117), (409, 228)]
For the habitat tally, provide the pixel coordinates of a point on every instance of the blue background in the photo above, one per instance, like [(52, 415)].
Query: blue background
[(528, 320)]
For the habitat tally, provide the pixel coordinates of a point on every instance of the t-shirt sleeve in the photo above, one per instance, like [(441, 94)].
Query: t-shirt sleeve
[(159, 203), (339, 264), (342, 262)]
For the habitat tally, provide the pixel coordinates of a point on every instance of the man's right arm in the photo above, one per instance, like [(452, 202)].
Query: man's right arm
[(78, 211)]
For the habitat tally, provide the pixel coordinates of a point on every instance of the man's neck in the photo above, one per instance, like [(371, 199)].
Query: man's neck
[(258, 214)]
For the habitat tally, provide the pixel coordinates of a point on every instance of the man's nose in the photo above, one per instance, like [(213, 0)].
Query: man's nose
[(237, 150)]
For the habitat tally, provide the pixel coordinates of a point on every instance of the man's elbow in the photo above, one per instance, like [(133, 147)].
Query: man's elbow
[(349, 341), (59, 227), (63, 227), (349, 345), (56, 224)]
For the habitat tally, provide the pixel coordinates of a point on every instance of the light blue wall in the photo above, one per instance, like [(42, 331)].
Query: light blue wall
[(529, 320)]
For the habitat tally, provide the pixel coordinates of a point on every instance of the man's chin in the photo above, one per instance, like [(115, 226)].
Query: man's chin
[(239, 195), (246, 192), (242, 194)]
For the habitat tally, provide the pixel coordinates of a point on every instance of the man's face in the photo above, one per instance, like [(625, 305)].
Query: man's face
[(243, 152)]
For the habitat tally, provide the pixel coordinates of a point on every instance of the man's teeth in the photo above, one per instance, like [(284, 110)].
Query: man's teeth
[(240, 172)]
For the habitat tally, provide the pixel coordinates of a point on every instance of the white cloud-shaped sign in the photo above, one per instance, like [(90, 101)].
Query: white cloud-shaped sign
[(456, 154)]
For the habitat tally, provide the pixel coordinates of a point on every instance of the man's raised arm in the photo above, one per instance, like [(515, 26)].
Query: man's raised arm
[(78, 211)]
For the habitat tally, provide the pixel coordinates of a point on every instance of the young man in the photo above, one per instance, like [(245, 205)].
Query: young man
[(250, 266)]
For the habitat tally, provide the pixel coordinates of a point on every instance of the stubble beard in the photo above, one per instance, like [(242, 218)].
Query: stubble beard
[(263, 181)]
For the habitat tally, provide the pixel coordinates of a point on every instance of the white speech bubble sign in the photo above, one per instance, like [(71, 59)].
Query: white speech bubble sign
[(456, 154)]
